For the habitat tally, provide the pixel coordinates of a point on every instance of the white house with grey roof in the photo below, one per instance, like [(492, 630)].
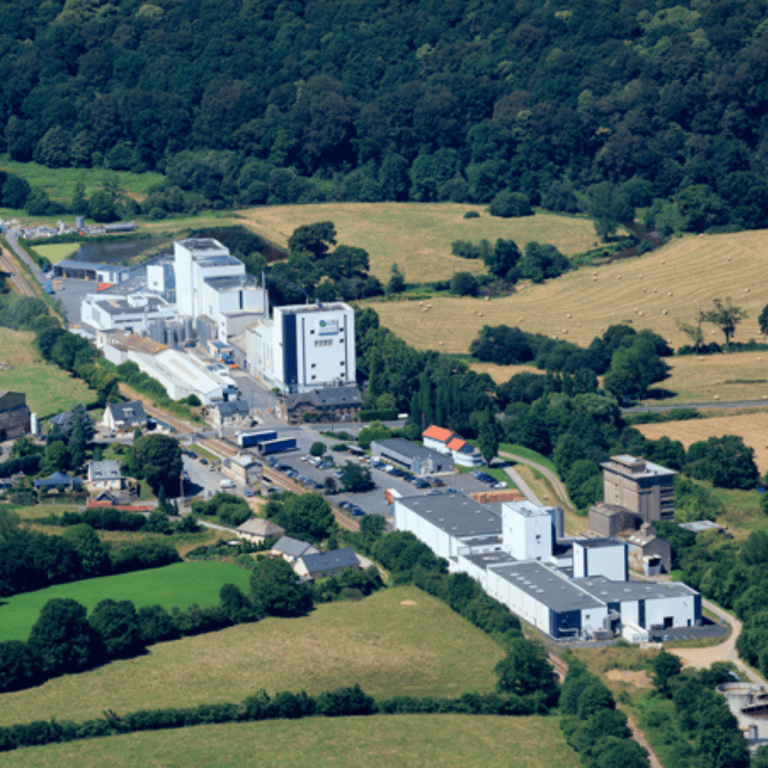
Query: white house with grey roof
[(324, 564), (122, 417), (292, 549), (567, 588), (105, 475)]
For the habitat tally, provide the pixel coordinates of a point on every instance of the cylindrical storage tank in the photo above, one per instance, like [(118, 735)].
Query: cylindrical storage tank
[(168, 337), (559, 522), (34, 427), (188, 334)]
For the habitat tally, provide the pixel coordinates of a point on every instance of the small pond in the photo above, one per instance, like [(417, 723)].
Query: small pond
[(116, 251)]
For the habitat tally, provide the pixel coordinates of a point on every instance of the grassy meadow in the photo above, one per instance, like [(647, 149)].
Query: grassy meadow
[(448, 741), (49, 389), (60, 183), (397, 641), (653, 291), (180, 584), (418, 236)]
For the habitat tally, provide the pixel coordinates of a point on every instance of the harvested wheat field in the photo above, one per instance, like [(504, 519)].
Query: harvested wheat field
[(753, 427), (717, 378), (418, 236), (653, 291), (503, 373)]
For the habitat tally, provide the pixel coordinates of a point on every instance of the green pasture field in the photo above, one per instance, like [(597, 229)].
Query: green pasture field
[(653, 291), (48, 388), (380, 741), (397, 641), (58, 251), (60, 183), (418, 236), (179, 584)]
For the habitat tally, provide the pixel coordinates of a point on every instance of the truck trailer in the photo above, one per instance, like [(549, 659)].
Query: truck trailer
[(275, 446), (246, 439)]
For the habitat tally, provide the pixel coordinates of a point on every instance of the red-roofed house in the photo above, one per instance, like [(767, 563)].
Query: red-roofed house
[(449, 443)]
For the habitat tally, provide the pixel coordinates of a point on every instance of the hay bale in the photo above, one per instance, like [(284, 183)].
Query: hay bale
[(717, 397), (747, 290), (640, 313), (442, 343), (702, 358), (618, 277), (569, 316), (479, 314), (664, 312), (670, 293), (565, 330)]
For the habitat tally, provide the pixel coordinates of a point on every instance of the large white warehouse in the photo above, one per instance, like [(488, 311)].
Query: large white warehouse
[(565, 588)]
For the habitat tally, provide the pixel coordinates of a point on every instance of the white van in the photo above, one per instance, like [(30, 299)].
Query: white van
[(227, 483)]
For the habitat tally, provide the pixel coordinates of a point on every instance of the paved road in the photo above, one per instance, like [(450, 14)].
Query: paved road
[(521, 485), (677, 406), (554, 480), (703, 657), (12, 236)]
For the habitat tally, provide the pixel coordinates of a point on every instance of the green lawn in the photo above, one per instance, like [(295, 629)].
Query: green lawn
[(447, 741), (48, 388), (57, 251), (180, 584), (397, 641)]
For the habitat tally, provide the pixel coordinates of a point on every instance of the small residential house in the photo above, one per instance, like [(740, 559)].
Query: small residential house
[(324, 564), (124, 417), (58, 478), (257, 530), (450, 444), (230, 413), (292, 549), (104, 476)]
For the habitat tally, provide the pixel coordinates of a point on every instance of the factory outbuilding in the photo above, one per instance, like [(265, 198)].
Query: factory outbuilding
[(449, 443), (567, 588), (412, 456), (640, 486)]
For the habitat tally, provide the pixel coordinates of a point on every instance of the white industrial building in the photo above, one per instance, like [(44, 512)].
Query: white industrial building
[(184, 374), (134, 312), (304, 347), (567, 588)]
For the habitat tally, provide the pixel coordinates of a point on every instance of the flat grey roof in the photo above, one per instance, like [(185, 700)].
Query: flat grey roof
[(487, 560), (619, 591), (231, 281), (201, 243), (527, 508), (409, 449), (623, 463), (90, 265), (610, 541), (455, 514), (545, 586), (332, 306)]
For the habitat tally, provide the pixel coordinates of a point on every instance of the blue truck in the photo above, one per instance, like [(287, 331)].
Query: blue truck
[(247, 439), (275, 446)]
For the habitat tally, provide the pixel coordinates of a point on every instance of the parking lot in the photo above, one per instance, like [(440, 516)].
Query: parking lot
[(371, 502)]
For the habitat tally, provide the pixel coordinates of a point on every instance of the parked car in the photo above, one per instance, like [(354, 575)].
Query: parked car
[(203, 460)]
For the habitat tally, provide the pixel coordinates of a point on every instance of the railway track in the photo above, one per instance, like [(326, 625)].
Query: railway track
[(16, 279), (226, 450)]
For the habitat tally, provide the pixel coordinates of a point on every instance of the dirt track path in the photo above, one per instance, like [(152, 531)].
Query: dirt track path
[(554, 480)]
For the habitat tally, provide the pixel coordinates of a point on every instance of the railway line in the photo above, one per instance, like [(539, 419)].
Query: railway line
[(16, 279)]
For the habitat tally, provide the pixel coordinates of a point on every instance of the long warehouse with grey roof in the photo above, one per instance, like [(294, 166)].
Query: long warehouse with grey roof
[(567, 588)]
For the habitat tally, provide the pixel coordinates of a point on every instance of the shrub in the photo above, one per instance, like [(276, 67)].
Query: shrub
[(508, 204)]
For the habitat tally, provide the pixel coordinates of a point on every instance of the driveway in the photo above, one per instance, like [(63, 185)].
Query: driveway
[(701, 658)]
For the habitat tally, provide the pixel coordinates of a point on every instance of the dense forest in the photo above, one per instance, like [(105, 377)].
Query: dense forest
[(598, 105)]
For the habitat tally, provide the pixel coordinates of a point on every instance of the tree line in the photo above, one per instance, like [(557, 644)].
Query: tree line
[(592, 107)]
